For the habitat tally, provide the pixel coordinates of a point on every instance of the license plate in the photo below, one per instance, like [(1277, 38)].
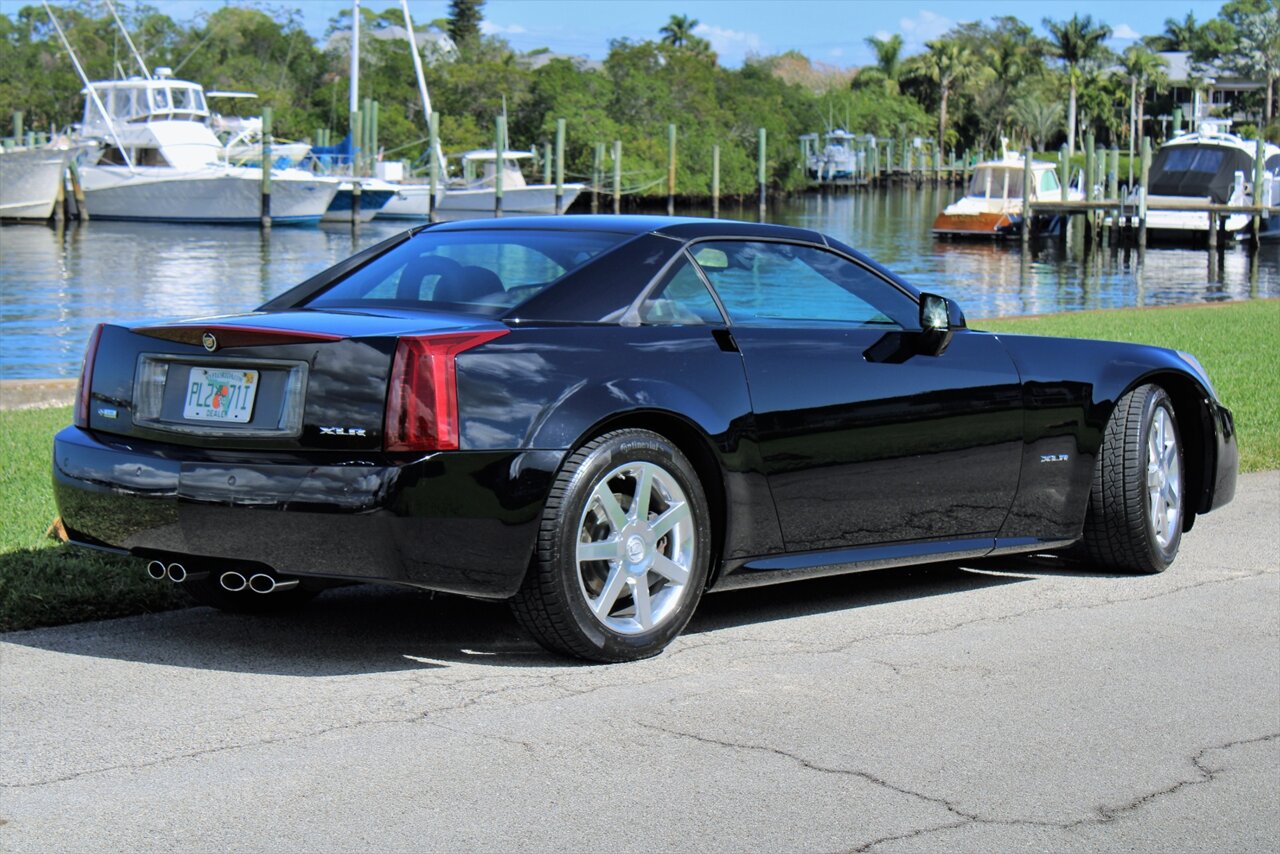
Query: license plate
[(220, 394)]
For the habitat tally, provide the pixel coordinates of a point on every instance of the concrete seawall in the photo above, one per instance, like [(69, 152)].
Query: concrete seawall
[(36, 394)]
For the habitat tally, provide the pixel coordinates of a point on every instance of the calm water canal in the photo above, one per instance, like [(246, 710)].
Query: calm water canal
[(55, 286)]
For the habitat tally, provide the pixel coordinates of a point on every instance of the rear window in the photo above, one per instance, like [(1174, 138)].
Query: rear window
[(473, 272)]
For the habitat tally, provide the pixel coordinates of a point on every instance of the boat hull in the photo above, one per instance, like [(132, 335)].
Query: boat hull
[(986, 224), (216, 196), (342, 208), (533, 199), (29, 182), (411, 201)]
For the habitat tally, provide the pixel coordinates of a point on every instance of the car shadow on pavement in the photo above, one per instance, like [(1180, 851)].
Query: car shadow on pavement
[(378, 629)]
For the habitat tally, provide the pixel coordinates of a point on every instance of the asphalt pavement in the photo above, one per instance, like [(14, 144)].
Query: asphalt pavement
[(1019, 707)]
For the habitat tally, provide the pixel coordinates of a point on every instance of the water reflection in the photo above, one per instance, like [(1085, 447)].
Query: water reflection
[(56, 283)]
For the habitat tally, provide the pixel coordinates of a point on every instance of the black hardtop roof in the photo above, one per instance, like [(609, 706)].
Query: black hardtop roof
[(684, 228)]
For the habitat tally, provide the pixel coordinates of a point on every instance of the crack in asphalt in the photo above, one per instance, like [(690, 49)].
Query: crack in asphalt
[(1102, 814)]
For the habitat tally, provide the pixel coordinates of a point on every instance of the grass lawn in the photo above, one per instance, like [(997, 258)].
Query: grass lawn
[(1238, 344), (43, 583)]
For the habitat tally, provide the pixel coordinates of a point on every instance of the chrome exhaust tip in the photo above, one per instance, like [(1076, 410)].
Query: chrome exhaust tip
[(177, 573), (232, 581), (156, 570), (262, 583)]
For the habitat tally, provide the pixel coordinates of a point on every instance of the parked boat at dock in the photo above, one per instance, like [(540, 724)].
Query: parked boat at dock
[(1210, 166), (474, 194), (30, 177), (838, 159), (158, 160), (992, 204)]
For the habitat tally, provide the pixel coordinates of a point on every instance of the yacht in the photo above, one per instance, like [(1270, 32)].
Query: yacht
[(837, 160), (159, 160), (992, 204), (473, 195), (1210, 165), (30, 177)]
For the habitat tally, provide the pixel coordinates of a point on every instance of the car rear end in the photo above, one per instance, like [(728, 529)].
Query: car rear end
[(296, 444)]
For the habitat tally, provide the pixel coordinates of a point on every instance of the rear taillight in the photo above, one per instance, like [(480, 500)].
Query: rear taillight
[(422, 402), (85, 387)]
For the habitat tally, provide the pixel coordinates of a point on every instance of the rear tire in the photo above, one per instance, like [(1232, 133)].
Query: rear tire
[(207, 591), (622, 554), (1136, 504)]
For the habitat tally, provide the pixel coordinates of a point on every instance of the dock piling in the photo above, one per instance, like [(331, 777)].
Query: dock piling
[(559, 166), (597, 163), (1113, 192), (1028, 177), (433, 171), (266, 167), (17, 126), (77, 193), (499, 148), (617, 176), (1142, 188), (763, 168), (1259, 176), (671, 170), (715, 181)]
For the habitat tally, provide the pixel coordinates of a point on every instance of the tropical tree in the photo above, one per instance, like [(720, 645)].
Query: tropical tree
[(1076, 42), (889, 60), (1177, 35), (1040, 119), (1144, 71), (678, 30), (948, 63), (1249, 43)]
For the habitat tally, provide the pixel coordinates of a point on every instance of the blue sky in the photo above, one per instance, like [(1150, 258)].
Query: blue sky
[(825, 30)]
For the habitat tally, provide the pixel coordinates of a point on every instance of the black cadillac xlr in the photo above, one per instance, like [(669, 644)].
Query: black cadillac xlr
[(600, 418)]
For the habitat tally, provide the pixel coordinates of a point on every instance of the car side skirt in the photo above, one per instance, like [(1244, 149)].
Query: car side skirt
[(758, 572)]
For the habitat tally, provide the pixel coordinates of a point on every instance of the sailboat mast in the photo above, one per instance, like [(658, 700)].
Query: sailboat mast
[(93, 93), (422, 80), (137, 57)]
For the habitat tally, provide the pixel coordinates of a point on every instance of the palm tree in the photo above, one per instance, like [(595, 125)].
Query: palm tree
[(888, 59), (1076, 42), (1039, 118), (1146, 71), (948, 63), (1177, 35), (678, 30)]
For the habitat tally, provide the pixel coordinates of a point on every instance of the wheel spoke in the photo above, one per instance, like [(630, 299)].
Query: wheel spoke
[(644, 488), (603, 603), (600, 550), (612, 509), (640, 594), (671, 570), (673, 516)]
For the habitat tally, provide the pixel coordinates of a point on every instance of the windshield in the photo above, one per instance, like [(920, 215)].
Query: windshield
[(996, 183), (473, 272)]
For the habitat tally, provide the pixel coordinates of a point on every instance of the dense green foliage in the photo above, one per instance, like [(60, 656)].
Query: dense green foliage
[(979, 82)]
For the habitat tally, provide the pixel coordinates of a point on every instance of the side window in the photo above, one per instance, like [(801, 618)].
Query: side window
[(1049, 182), (682, 299), (781, 284)]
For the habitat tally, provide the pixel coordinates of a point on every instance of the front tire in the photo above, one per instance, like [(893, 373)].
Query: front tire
[(623, 551), (1136, 504)]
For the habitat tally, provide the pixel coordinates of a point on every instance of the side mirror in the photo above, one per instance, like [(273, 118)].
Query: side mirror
[(939, 318)]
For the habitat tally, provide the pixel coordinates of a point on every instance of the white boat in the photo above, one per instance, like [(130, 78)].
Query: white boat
[(474, 195), (29, 179), (411, 201), (374, 195), (837, 160), (992, 204), (1209, 165), (159, 160)]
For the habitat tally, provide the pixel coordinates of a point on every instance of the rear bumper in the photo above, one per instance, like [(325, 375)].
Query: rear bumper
[(461, 522)]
